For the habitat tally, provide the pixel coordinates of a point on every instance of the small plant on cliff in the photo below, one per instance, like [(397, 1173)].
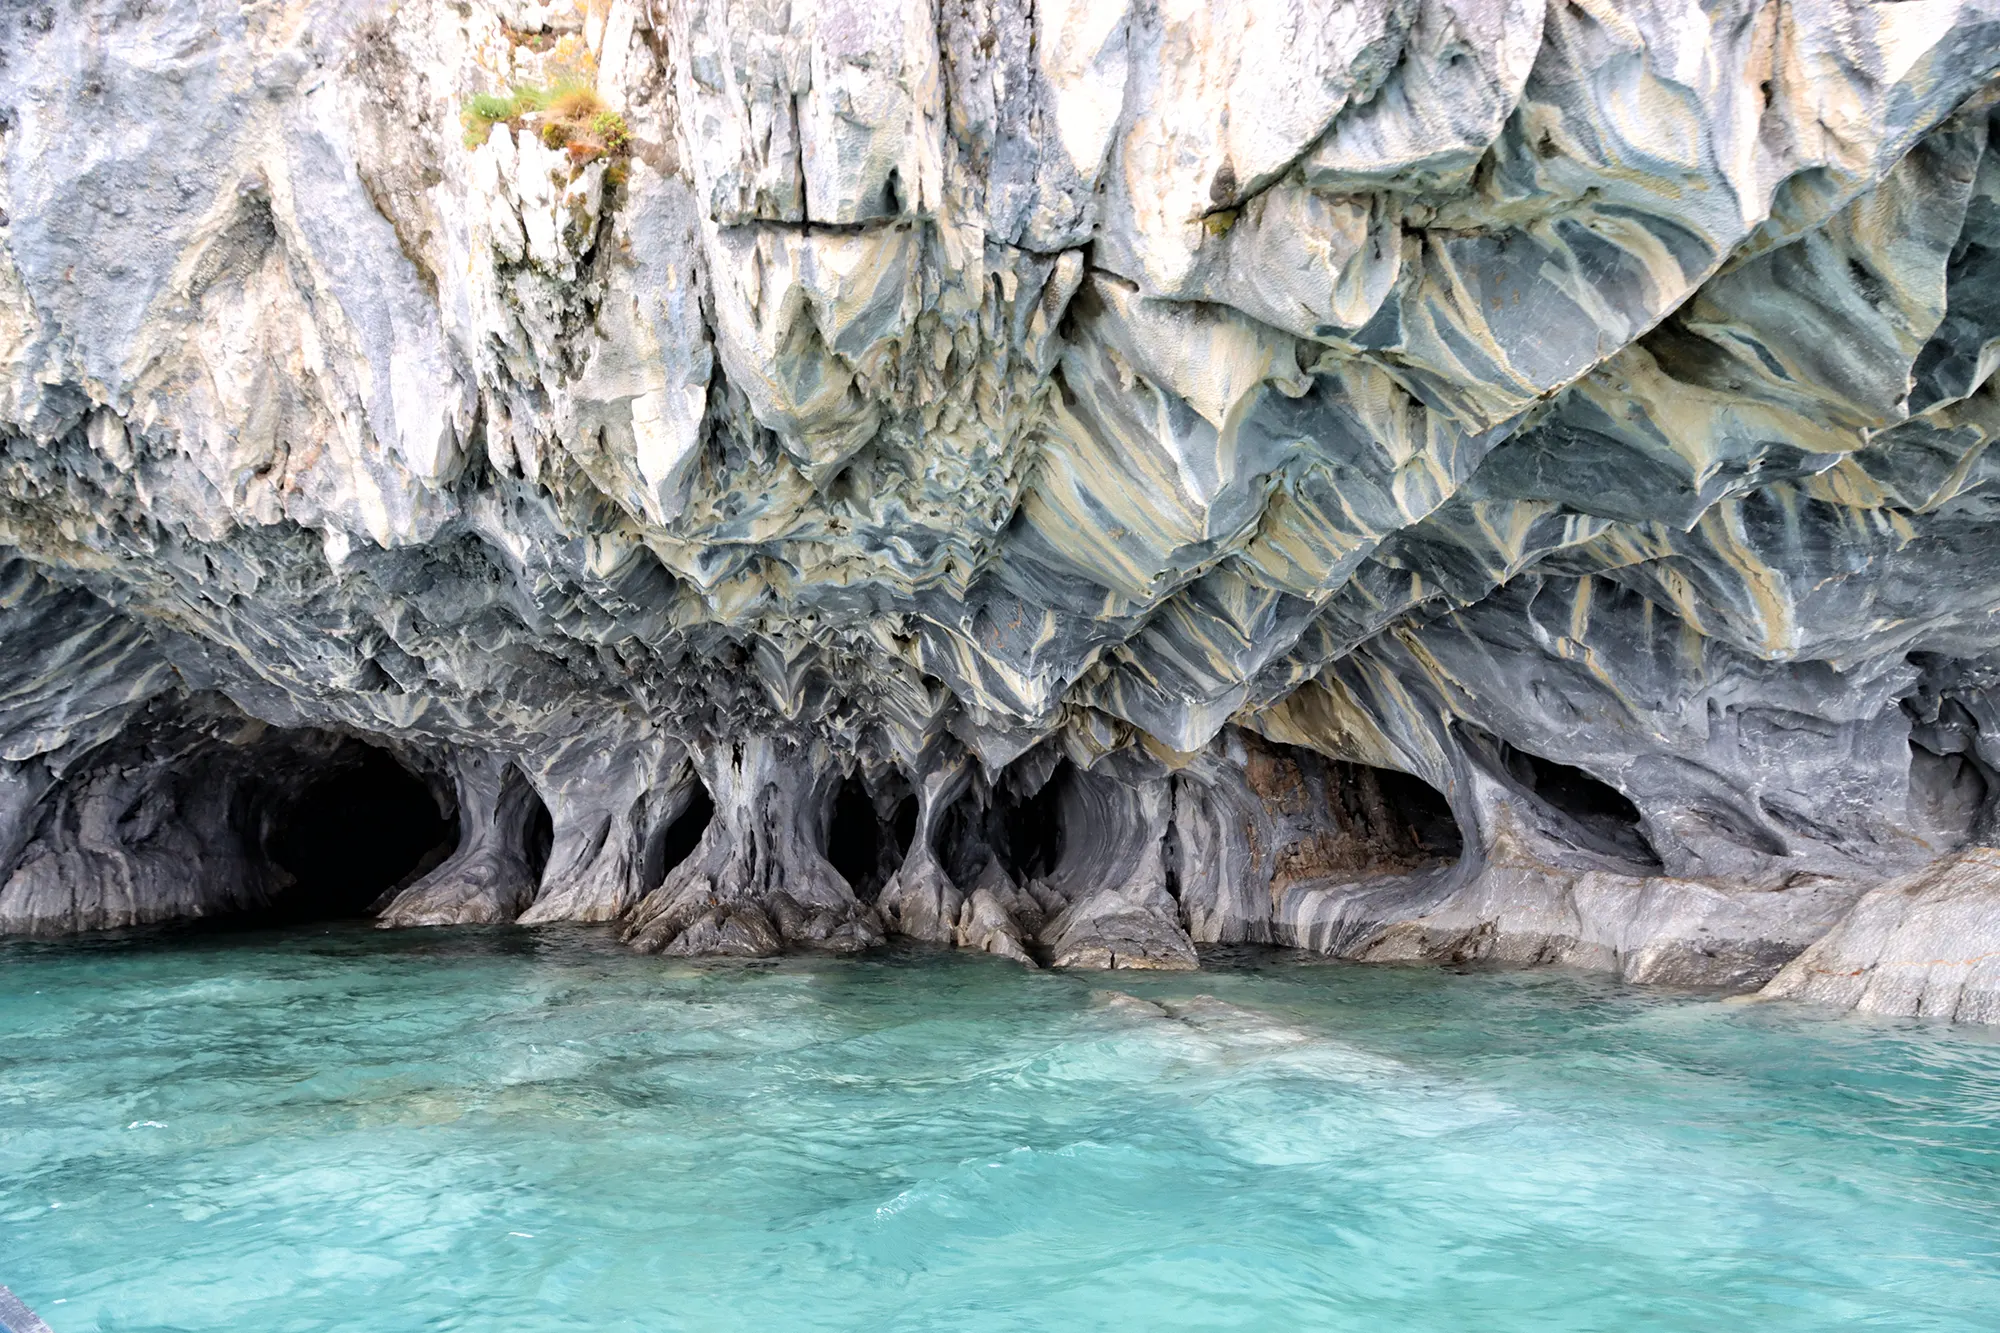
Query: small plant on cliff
[(569, 115), (486, 110), (610, 127)]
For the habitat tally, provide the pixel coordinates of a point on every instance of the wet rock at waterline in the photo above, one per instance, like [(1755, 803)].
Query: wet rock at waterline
[(1434, 480)]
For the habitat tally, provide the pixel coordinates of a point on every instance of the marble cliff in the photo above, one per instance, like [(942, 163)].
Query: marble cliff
[(1077, 479)]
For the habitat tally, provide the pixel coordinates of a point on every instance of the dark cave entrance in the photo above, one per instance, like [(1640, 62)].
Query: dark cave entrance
[(1419, 811), (538, 836), (863, 846), (853, 842), (1023, 832), (1338, 820), (1017, 822), (959, 838), (1030, 841), (674, 841), (366, 828), (903, 828), (1599, 817)]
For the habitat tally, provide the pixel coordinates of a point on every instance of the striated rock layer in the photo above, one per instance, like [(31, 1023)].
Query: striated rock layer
[(1407, 479)]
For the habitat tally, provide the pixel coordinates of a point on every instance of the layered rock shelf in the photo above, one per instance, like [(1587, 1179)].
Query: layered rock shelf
[(1405, 479)]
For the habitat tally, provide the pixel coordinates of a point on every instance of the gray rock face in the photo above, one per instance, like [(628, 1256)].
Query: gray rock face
[(1923, 945), (1410, 479)]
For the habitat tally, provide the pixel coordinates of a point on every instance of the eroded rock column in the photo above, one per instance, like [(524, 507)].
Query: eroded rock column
[(491, 876), (921, 901), (759, 879), (603, 813)]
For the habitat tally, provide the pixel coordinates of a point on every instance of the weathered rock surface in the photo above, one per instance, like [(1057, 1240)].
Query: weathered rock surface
[(1921, 946), (1410, 479)]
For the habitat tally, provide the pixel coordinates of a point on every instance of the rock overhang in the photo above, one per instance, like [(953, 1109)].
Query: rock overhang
[(950, 396)]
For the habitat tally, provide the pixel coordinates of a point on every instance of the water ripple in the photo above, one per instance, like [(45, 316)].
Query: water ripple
[(489, 1130)]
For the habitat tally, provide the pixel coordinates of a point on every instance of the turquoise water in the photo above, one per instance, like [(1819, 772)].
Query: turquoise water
[(512, 1131)]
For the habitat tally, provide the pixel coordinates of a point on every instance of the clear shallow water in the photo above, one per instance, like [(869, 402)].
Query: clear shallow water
[(512, 1131)]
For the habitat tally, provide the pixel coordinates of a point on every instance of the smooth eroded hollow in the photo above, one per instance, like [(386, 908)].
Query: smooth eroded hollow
[(1334, 819), (1605, 817), (1947, 791), (1423, 810)]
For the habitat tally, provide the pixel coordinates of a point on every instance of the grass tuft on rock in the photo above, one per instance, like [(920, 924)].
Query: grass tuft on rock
[(568, 115)]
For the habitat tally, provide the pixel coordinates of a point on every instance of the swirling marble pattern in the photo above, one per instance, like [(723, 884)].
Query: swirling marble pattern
[(1054, 416)]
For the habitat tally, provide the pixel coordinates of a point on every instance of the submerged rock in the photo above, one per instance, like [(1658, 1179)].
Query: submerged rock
[(1420, 480)]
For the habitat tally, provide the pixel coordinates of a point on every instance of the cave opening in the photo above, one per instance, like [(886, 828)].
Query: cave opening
[(1605, 817), (959, 837), (674, 841), (1335, 819), (1422, 812), (904, 826), (1031, 829), (538, 836), (854, 841), (366, 828)]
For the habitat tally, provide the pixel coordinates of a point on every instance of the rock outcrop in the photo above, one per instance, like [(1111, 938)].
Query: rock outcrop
[(1409, 479), (1920, 946)]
